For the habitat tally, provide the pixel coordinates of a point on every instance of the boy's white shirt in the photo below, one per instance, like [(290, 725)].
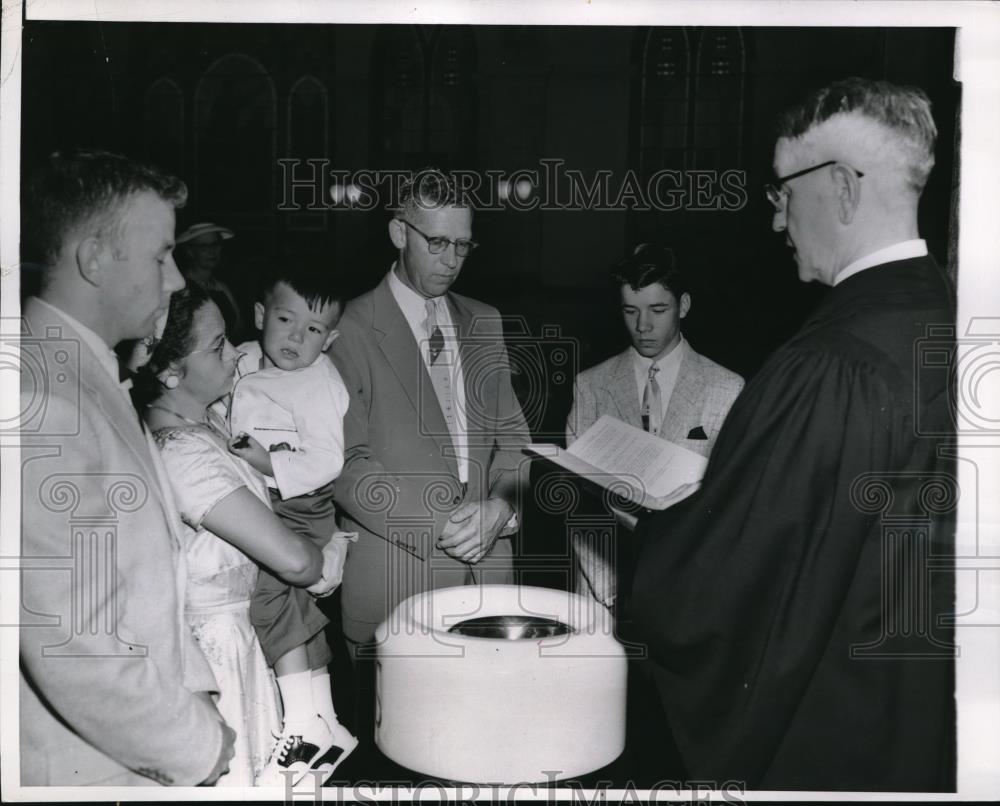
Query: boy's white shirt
[(303, 407)]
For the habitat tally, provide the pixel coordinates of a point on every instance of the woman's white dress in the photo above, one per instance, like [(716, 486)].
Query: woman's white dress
[(221, 579)]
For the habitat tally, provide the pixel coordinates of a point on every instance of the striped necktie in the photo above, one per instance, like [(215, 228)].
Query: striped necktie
[(651, 402), (441, 371)]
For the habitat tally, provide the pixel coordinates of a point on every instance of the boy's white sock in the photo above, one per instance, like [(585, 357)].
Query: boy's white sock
[(322, 698), (297, 697)]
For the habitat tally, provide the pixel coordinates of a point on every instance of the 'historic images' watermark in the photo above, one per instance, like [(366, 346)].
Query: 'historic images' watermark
[(312, 185), (553, 790)]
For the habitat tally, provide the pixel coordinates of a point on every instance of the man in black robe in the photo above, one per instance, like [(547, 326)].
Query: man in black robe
[(796, 607)]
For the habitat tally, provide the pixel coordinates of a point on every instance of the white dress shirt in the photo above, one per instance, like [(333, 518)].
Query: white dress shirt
[(666, 378), (302, 407), (413, 306), (904, 250)]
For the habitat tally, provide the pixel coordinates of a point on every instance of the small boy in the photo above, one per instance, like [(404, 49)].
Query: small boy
[(286, 412)]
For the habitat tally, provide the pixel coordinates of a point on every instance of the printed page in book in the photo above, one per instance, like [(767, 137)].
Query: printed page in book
[(613, 455), (618, 448)]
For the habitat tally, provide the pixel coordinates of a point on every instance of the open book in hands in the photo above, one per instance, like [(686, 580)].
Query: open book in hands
[(629, 462)]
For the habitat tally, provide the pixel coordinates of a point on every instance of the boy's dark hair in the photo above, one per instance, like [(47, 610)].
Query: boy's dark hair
[(317, 284), (650, 263)]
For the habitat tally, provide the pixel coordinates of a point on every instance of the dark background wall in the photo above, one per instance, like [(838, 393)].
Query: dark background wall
[(220, 104)]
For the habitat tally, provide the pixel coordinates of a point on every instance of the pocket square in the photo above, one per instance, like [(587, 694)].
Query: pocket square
[(697, 433)]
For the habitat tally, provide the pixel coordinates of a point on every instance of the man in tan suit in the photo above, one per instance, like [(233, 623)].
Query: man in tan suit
[(113, 689), (659, 384), (433, 435)]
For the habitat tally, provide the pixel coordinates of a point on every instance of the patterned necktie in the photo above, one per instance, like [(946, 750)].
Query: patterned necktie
[(436, 337), (441, 371), (651, 402)]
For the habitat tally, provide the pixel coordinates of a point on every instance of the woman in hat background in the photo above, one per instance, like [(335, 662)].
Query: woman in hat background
[(199, 257)]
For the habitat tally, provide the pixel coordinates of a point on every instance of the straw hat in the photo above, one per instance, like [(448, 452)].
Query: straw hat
[(196, 230)]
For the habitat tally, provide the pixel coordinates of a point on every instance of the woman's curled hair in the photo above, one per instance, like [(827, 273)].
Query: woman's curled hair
[(176, 342)]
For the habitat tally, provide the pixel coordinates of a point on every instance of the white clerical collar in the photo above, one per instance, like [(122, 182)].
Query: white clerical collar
[(106, 357), (664, 361), (904, 250)]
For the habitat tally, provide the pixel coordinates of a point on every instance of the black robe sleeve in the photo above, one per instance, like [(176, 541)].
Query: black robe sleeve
[(745, 591)]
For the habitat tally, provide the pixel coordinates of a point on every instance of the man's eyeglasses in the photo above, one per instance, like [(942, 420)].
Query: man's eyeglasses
[(776, 193), (436, 244)]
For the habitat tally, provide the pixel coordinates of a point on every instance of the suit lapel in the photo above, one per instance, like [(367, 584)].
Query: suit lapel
[(97, 386), (401, 351), (396, 342), (622, 389), (123, 419), (477, 420), (112, 402), (686, 401), (462, 319)]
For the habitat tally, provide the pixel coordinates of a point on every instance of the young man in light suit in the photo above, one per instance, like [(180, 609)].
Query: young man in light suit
[(659, 384), (113, 689)]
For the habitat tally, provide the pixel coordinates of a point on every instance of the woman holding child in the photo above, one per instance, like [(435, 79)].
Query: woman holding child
[(231, 529)]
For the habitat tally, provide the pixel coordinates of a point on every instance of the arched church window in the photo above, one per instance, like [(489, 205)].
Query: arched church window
[(451, 102), (664, 100), (163, 125), (234, 122), (399, 85), (689, 92), (718, 99), (425, 109), (307, 138)]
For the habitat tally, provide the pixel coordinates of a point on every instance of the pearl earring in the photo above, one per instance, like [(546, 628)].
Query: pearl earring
[(171, 381)]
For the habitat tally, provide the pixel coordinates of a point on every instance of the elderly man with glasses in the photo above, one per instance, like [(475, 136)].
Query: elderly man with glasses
[(434, 432), (797, 607)]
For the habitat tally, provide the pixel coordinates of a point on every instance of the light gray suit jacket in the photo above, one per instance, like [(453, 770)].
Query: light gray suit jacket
[(400, 479), (701, 399), (109, 668)]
